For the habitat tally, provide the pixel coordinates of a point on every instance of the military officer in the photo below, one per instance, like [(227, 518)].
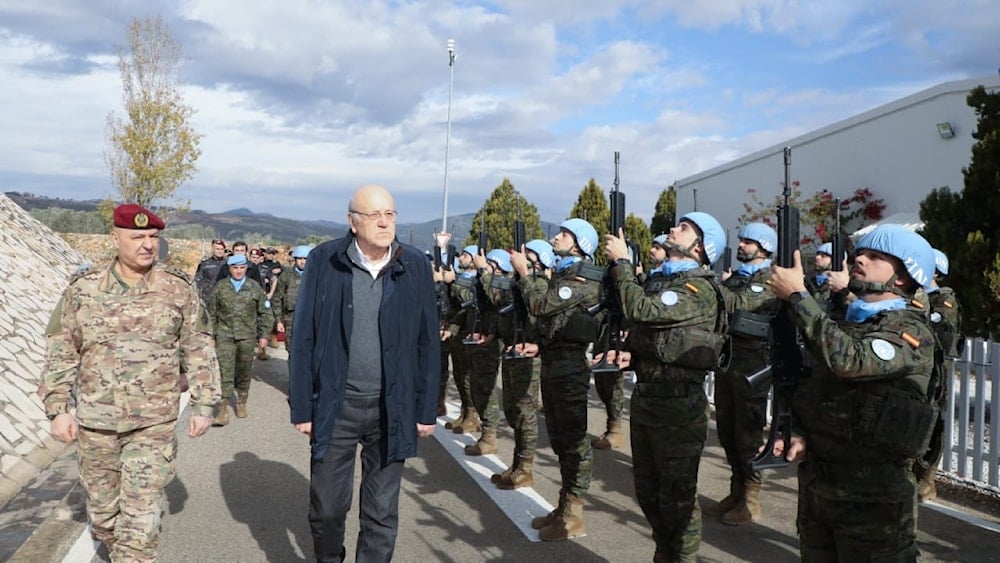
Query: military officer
[(241, 320), (676, 335), (864, 415), (286, 293), (463, 293), (119, 343), (740, 411), (565, 331)]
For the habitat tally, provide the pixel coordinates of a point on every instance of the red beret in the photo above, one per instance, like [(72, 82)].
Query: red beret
[(132, 216)]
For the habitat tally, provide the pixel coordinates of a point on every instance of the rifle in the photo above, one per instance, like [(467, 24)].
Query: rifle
[(516, 305), (610, 300), (441, 288), (479, 295), (836, 261), (725, 261), (787, 351)]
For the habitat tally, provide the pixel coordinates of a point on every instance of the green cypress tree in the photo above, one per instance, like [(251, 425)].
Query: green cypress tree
[(965, 227), (639, 235), (665, 213), (501, 210)]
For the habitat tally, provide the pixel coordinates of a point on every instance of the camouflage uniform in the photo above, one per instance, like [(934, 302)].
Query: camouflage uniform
[(864, 416), (672, 341), (520, 379), (739, 413), (945, 318), (240, 319), (283, 303), (834, 304), (485, 359), (460, 326), (120, 352), (565, 329)]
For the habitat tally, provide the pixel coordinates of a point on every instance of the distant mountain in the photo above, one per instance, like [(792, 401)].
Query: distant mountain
[(236, 223)]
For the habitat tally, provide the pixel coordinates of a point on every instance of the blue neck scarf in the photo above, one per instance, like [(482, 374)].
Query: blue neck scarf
[(860, 311), (821, 279), (930, 290), (237, 285), (748, 270), (671, 267), (297, 270), (565, 262)]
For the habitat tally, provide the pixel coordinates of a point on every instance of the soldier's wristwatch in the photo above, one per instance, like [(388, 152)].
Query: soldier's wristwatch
[(797, 296)]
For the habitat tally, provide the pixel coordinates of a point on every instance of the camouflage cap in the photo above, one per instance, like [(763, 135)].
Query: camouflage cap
[(132, 216)]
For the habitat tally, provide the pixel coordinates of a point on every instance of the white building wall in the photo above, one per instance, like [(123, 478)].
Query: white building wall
[(895, 150)]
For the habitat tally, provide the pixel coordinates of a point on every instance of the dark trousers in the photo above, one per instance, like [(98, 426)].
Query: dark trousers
[(332, 483)]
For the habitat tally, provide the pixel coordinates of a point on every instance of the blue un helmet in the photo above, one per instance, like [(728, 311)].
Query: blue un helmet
[(713, 236), (501, 258), (825, 248), (762, 234), (660, 240), (910, 248), (301, 251), (471, 250), (584, 234), (544, 251), (940, 262)]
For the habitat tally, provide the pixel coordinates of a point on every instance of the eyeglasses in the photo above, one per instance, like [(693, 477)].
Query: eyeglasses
[(390, 215)]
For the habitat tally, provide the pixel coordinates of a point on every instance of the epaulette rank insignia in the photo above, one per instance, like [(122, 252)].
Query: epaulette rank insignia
[(949, 305), (916, 303), (691, 286), (179, 273), (911, 340)]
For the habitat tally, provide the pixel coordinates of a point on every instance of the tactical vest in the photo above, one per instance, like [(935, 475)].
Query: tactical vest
[(855, 421), (571, 327), (946, 320), (694, 345), (292, 286)]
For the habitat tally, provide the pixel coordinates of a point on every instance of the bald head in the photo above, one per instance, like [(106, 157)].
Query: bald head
[(372, 217)]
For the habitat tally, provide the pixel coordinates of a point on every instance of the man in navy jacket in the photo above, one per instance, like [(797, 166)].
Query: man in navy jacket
[(364, 370)]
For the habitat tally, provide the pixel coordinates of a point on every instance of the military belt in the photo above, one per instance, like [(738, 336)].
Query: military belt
[(664, 389)]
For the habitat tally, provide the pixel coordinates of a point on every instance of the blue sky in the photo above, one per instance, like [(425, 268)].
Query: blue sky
[(302, 101)]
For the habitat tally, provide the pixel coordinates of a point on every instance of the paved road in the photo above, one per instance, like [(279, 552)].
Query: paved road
[(241, 496)]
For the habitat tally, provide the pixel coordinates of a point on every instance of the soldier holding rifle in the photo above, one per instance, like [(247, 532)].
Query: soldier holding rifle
[(863, 416)]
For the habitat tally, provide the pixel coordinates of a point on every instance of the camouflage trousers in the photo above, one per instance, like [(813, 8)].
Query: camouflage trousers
[(124, 475), (520, 382), (669, 427), (459, 371), (485, 360), (857, 512), (565, 381), (235, 362), (287, 321), (611, 389), (740, 419)]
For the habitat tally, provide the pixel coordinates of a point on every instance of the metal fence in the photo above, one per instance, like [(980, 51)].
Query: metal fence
[(968, 425), (973, 455)]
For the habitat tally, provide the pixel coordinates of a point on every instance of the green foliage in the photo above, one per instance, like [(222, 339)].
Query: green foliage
[(964, 226), (190, 231), (312, 239), (665, 214), (153, 150), (637, 233), (63, 220), (592, 206), (501, 210), (816, 213)]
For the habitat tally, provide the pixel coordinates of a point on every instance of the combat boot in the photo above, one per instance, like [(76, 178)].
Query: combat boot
[(487, 443), (747, 510), (497, 477), (450, 425), (221, 414), (541, 522), (520, 477), (442, 407), (568, 525), (736, 488), (613, 438), (241, 404), (470, 424)]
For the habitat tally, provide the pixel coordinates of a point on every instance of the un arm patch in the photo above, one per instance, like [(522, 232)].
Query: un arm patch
[(883, 349)]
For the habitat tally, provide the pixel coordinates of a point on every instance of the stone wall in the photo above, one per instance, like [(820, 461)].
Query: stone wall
[(35, 266)]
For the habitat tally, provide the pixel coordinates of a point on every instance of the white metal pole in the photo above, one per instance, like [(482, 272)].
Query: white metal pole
[(447, 137)]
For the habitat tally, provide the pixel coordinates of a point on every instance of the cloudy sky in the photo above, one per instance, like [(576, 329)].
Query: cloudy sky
[(301, 101)]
